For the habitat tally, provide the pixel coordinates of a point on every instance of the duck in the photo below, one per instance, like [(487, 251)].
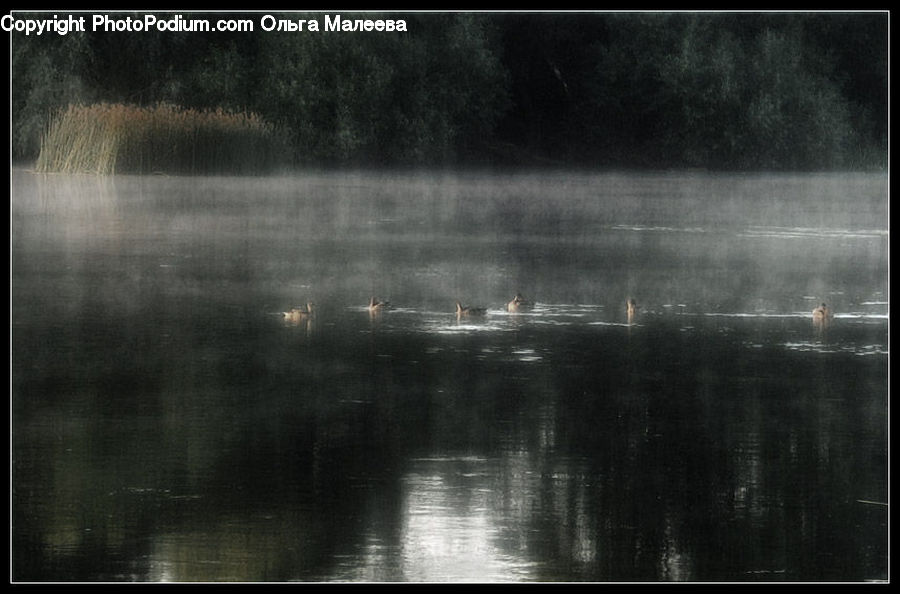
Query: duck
[(630, 309), (297, 313), (377, 306), (519, 303), (822, 313), (469, 311)]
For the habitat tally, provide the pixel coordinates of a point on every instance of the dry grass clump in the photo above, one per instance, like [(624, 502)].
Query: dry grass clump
[(115, 138)]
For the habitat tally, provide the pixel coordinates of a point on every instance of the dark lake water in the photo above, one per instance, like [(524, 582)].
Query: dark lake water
[(168, 424)]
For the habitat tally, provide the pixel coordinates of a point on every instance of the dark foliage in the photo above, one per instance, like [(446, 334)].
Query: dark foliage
[(775, 91)]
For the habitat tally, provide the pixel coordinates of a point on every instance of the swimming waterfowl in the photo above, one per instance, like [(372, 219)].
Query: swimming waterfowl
[(822, 313), (630, 309), (519, 303), (376, 306), (297, 313), (469, 311)]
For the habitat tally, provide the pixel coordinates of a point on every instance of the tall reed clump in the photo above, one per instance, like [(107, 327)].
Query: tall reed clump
[(115, 138)]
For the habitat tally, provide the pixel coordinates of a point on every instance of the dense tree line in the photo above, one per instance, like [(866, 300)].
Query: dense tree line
[(788, 91)]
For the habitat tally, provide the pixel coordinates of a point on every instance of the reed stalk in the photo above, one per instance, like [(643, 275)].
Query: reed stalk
[(116, 138)]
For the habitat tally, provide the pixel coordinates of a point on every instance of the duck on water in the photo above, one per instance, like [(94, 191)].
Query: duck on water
[(465, 312), (519, 303), (296, 314)]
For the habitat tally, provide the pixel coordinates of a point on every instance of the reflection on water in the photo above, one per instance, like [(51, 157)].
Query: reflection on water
[(170, 424), (450, 531)]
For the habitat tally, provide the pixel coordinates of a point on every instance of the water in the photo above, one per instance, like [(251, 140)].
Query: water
[(169, 425)]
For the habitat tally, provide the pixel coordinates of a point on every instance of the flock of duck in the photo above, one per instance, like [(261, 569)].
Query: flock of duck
[(517, 304), (822, 314)]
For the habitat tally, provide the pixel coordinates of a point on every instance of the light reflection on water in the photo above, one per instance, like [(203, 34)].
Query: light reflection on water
[(450, 531), (170, 425)]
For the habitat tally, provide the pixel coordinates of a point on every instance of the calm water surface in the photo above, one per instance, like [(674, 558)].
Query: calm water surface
[(169, 425)]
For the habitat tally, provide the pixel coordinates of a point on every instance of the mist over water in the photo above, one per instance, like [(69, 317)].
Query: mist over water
[(168, 424)]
